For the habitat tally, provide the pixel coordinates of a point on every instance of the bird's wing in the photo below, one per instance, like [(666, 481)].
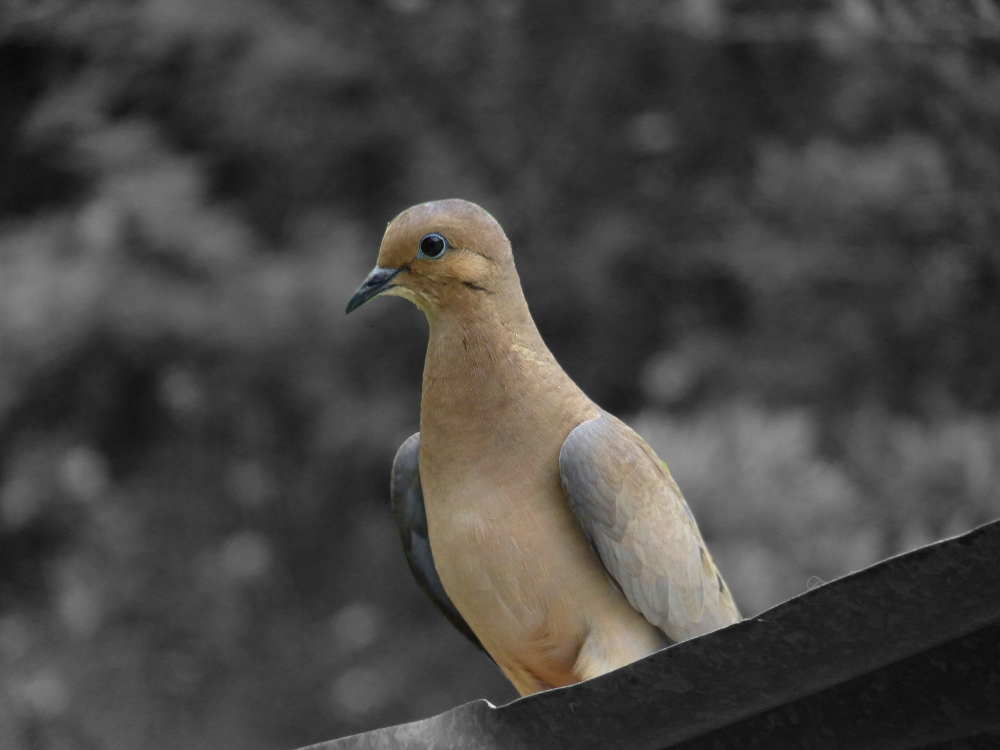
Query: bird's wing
[(635, 518), (411, 519)]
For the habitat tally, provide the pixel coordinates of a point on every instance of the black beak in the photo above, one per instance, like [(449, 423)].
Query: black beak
[(376, 283)]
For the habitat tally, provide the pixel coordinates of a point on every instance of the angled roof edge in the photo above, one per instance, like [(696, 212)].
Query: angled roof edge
[(849, 627)]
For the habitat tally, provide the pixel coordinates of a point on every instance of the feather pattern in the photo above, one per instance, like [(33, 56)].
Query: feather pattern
[(636, 519)]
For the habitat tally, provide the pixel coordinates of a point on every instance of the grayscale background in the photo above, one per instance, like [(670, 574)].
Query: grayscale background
[(763, 232)]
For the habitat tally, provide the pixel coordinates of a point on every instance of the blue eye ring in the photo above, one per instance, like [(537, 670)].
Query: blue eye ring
[(432, 246)]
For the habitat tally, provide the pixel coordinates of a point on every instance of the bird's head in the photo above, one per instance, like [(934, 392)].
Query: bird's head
[(440, 255)]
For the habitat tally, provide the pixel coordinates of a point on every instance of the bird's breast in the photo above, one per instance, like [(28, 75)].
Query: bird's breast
[(514, 561), (511, 570), (508, 549)]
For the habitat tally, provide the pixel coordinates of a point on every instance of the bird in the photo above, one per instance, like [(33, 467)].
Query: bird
[(543, 527)]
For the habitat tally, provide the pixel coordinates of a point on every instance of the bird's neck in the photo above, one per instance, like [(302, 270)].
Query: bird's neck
[(486, 371)]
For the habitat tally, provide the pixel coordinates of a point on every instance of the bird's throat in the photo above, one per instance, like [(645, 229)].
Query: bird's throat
[(483, 380), (476, 370)]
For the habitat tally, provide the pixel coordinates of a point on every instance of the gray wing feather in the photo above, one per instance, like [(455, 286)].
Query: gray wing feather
[(411, 520), (636, 520)]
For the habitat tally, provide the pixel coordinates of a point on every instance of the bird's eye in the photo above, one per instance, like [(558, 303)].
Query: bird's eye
[(433, 245)]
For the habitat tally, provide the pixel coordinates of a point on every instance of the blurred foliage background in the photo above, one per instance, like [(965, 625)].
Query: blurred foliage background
[(763, 232)]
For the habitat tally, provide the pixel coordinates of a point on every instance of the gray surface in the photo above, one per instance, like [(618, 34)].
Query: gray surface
[(903, 653)]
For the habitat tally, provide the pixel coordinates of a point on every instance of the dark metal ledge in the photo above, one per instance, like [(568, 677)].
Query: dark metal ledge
[(904, 654)]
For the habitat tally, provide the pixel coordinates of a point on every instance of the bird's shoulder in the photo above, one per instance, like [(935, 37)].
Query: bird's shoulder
[(405, 491)]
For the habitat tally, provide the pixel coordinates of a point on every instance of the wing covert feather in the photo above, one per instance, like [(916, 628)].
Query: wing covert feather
[(637, 521)]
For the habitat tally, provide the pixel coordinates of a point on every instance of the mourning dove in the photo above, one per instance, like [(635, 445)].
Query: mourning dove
[(561, 544)]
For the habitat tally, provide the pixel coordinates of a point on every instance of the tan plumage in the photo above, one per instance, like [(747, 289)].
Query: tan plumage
[(557, 534)]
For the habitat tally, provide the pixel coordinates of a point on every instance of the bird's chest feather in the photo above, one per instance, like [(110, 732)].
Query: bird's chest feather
[(512, 558), (492, 538), (508, 550)]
